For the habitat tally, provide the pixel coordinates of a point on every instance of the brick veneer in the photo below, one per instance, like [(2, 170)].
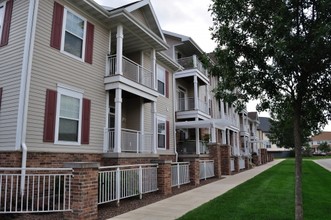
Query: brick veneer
[(225, 159), (164, 177), (215, 154), (84, 191), (236, 165)]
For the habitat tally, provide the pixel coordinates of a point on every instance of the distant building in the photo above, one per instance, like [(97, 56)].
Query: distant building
[(264, 128), (324, 136)]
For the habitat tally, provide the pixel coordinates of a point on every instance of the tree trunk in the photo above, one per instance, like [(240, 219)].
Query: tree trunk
[(298, 166)]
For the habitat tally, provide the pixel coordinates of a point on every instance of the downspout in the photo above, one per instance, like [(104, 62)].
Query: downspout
[(26, 71), (174, 114)]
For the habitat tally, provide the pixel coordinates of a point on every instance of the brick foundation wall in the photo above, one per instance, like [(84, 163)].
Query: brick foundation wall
[(225, 159), (215, 154)]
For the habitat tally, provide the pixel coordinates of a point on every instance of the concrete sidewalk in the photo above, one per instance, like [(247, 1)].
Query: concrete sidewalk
[(326, 163), (176, 206)]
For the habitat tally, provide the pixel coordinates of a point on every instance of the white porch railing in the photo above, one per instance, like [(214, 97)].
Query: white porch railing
[(180, 173), (132, 141), (241, 163), (206, 169), (232, 164), (119, 182), (132, 71), (187, 104), (192, 62), (45, 190)]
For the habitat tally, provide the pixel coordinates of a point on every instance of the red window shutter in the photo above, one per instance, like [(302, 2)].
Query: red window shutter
[(57, 26), (50, 115), (85, 139), (0, 96), (6, 23), (167, 135), (89, 42), (167, 83)]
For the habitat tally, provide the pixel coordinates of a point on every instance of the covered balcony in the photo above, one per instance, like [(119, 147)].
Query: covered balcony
[(192, 67), (191, 107), (130, 76), (132, 141)]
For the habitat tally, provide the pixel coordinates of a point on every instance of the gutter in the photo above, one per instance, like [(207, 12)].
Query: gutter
[(25, 84)]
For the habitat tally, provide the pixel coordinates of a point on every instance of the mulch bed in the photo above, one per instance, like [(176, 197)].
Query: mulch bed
[(109, 210)]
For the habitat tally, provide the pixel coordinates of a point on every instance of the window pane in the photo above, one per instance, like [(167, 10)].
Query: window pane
[(2, 11), (69, 107), (160, 87), (160, 74), (75, 25), (161, 128), (73, 45), (68, 130), (161, 141)]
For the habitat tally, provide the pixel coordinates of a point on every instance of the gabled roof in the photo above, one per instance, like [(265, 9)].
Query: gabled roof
[(187, 45), (253, 116), (264, 124), (323, 136), (148, 11)]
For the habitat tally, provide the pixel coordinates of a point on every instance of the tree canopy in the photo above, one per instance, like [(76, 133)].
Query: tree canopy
[(277, 51)]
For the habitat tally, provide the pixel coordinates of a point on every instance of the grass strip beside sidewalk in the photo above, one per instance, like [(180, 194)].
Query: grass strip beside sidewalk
[(270, 195)]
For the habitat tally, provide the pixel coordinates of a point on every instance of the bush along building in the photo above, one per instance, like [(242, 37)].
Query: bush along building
[(105, 95)]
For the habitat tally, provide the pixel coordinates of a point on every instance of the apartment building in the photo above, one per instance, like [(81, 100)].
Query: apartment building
[(79, 82)]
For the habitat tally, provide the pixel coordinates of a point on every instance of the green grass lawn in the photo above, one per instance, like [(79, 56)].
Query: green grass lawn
[(270, 196)]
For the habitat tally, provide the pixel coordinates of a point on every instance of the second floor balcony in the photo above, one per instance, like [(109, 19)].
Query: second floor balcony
[(132, 76), (192, 65), (191, 107)]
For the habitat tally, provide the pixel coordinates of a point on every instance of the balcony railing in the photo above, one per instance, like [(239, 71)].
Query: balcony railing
[(132, 71), (180, 173), (187, 104), (192, 62), (132, 141), (189, 147)]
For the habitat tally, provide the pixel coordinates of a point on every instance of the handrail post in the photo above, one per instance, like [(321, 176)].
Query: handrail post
[(118, 185), (140, 182), (205, 169), (178, 176)]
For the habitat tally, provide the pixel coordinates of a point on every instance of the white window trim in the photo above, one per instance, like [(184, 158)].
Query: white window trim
[(163, 119), (75, 93), (157, 79), (3, 4), (63, 35)]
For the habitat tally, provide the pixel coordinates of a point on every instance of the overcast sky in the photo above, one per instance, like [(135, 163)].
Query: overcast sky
[(190, 18)]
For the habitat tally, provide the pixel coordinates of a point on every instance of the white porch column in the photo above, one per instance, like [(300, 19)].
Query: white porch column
[(213, 134), (223, 136), (238, 143), (154, 78), (234, 143), (154, 127), (118, 121), (208, 103), (119, 50), (196, 95), (106, 144), (142, 126), (197, 142)]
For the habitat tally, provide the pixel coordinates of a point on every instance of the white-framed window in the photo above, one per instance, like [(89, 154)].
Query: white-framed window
[(68, 116), (161, 80), (2, 16), (161, 133), (73, 34)]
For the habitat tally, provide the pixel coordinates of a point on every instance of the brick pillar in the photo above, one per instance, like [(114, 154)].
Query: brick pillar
[(84, 191), (195, 172), (236, 164), (247, 163), (215, 154), (225, 160), (164, 177)]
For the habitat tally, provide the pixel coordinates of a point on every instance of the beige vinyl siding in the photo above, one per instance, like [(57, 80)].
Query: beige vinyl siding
[(171, 41), (139, 15), (165, 108), (50, 67), (11, 57)]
